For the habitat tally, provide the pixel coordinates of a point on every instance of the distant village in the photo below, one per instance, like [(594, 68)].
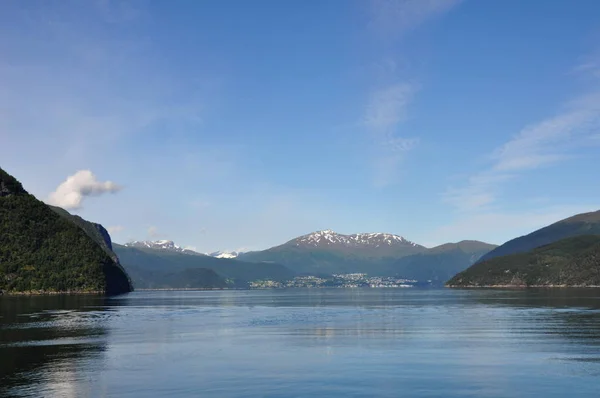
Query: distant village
[(336, 280)]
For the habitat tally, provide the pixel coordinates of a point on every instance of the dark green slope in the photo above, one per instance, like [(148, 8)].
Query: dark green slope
[(150, 267), (41, 251), (573, 261), (440, 263), (95, 231), (581, 224)]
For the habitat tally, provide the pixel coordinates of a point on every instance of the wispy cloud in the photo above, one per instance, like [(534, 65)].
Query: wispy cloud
[(542, 144), (386, 109), (115, 229), (393, 18), (153, 232), (72, 192), (82, 68), (388, 102), (589, 66), (550, 140)]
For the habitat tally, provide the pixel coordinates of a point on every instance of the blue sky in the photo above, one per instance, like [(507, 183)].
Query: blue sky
[(242, 124)]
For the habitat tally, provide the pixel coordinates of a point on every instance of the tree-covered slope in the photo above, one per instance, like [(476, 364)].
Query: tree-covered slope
[(573, 261), (581, 224), (149, 268), (41, 251), (95, 231)]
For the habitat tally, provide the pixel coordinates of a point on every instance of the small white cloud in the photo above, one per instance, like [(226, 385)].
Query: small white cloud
[(115, 229), (73, 191), (153, 232)]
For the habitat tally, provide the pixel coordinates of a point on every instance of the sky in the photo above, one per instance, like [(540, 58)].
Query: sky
[(239, 125)]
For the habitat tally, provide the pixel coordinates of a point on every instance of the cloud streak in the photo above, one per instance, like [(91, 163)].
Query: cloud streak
[(393, 18), (546, 143), (385, 110), (388, 102), (115, 229), (542, 144), (76, 188)]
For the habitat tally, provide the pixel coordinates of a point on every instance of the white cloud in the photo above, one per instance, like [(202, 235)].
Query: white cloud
[(73, 191), (387, 104), (115, 229), (386, 109), (550, 141), (153, 232)]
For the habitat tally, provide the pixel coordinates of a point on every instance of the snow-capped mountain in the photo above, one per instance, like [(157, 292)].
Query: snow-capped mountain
[(224, 254), (329, 238), (167, 245)]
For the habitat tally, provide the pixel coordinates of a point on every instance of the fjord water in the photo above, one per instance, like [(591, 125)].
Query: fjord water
[(296, 343)]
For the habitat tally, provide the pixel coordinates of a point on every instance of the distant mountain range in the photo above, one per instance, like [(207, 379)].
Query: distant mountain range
[(566, 253), (167, 245), (47, 249), (327, 252), (163, 264)]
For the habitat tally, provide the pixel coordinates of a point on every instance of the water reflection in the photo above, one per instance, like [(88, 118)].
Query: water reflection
[(42, 338), (320, 342)]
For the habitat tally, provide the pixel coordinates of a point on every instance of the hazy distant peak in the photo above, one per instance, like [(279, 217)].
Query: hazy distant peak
[(168, 245)]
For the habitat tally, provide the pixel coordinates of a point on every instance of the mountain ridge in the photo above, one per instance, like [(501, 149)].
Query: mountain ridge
[(579, 224), (163, 244), (573, 261), (154, 268), (378, 254)]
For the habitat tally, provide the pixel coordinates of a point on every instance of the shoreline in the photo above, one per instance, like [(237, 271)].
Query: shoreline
[(521, 286), (52, 293)]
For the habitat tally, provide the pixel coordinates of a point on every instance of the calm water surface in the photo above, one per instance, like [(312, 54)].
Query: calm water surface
[(297, 343)]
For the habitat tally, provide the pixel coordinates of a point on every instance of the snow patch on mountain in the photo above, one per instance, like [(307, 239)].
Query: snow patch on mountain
[(168, 245), (328, 237), (225, 254)]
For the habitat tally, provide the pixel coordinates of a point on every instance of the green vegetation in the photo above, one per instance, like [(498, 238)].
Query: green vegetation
[(581, 224), (42, 252), (95, 231), (155, 268), (569, 262)]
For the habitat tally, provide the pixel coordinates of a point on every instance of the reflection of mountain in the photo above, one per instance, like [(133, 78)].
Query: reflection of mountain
[(40, 338)]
